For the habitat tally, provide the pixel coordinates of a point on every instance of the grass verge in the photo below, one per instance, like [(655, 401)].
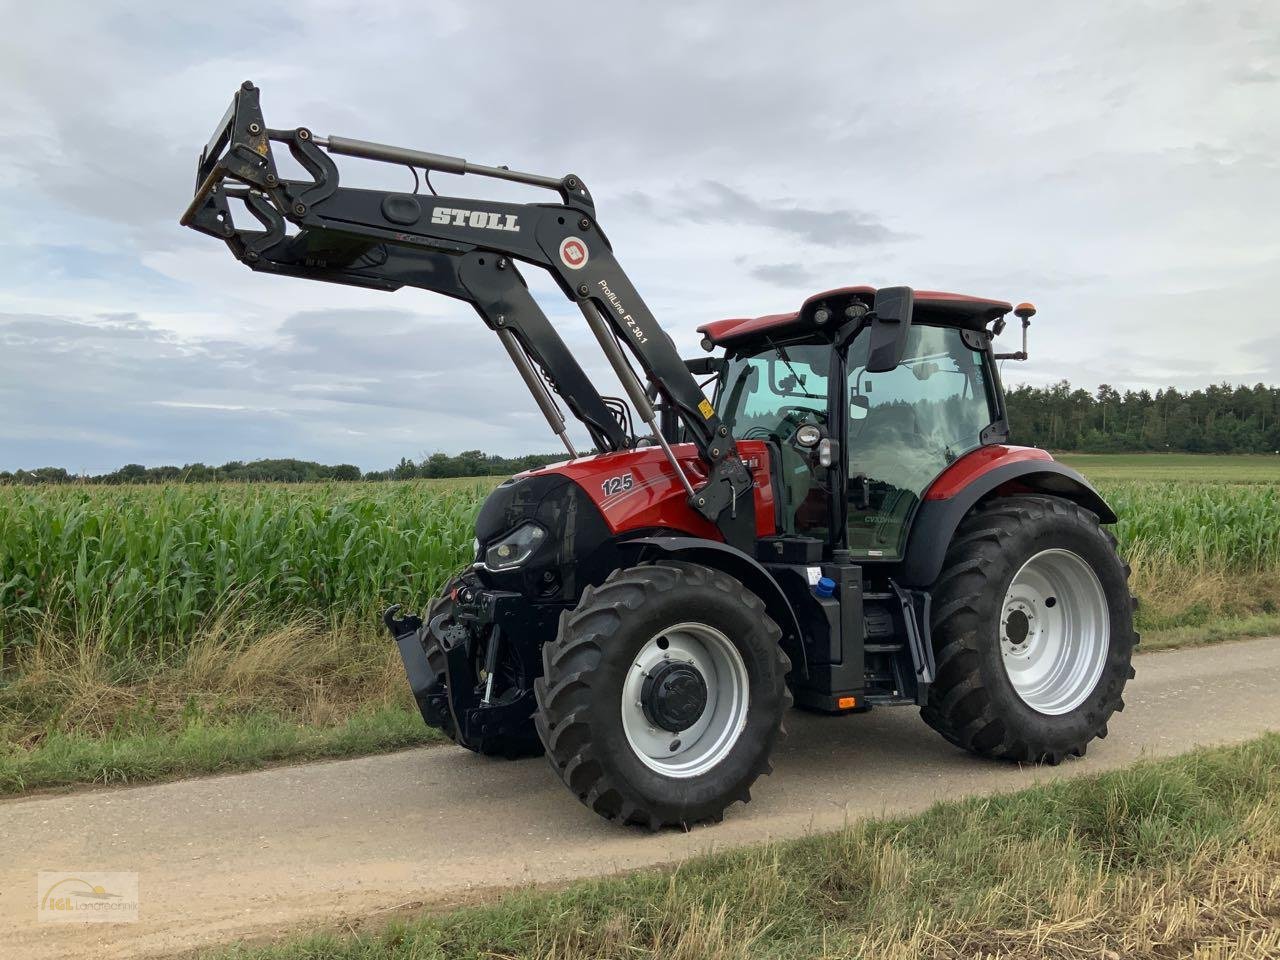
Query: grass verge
[(239, 696), (1180, 607), (1178, 857), (238, 743), (244, 697)]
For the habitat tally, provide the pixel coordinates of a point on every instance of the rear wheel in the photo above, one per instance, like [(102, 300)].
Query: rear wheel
[(1032, 631), (663, 694)]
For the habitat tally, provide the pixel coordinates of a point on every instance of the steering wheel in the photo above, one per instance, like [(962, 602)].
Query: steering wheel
[(804, 414), (790, 421)]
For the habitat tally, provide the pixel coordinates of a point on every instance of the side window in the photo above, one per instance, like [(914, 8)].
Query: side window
[(905, 427)]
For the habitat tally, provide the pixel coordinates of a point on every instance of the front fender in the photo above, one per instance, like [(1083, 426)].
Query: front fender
[(746, 568), (938, 517)]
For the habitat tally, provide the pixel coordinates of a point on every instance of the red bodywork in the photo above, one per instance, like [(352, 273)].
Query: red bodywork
[(976, 463), (930, 306), (654, 497)]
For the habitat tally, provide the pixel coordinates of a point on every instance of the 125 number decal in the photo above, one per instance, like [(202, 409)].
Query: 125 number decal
[(617, 484)]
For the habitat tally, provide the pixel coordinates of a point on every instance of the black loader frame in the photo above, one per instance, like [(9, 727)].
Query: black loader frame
[(465, 248)]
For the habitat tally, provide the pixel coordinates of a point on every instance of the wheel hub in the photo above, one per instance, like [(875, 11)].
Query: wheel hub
[(685, 700), (1054, 631), (1019, 624), (674, 695)]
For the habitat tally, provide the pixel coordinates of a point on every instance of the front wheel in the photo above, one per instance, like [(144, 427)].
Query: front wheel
[(1032, 631), (663, 694)]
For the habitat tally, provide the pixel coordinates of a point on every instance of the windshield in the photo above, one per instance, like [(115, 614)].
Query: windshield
[(904, 427), (765, 397)]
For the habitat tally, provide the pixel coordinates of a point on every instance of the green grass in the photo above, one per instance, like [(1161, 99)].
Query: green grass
[(1211, 630), (1162, 859), (142, 752)]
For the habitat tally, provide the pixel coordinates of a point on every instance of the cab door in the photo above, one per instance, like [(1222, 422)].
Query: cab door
[(904, 427)]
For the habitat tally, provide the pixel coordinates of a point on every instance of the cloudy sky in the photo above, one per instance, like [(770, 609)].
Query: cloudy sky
[(1116, 163)]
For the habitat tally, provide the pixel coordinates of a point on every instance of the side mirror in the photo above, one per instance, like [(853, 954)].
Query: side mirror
[(890, 324), (858, 407)]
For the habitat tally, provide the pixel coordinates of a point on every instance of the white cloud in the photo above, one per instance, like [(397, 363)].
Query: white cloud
[(1115, 164)]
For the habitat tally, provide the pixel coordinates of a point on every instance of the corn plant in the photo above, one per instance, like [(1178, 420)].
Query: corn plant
[(143, 567)]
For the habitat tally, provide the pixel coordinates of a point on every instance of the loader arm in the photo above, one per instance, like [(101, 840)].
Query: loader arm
[(493, 287), (462, 247)]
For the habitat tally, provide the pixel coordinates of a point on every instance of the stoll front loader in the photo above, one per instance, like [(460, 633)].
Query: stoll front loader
[(841, 524)]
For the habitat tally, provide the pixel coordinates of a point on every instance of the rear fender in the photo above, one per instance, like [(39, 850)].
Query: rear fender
[(938, 517), (742, 567)]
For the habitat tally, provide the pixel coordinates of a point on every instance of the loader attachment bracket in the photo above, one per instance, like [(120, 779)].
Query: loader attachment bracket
[(386, 240)]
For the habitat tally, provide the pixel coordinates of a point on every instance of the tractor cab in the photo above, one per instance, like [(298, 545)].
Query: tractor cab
[(856, 447)]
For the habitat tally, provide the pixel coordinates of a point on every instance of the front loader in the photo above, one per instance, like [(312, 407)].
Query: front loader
[(842, 524)]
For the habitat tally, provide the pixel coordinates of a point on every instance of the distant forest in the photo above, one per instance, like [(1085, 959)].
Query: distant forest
[(1217, 419), (470, 463)]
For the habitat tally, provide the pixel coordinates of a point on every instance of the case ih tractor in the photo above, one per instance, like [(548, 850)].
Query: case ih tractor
[(840, 522)]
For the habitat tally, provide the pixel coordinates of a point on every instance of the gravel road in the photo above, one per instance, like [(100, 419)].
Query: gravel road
[(256, 854)]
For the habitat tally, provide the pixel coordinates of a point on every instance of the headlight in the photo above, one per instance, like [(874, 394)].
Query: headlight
[(515, 548)]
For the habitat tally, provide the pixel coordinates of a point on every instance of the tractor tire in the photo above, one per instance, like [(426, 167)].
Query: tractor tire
[(659, 654), (513, 744), (1032, 631)]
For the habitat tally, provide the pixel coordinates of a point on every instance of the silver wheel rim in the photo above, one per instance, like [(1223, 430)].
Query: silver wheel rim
[(1055, 631), (698, 748)]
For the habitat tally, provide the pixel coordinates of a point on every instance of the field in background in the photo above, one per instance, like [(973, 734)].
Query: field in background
[(143, 570), (1179, 467), (137, 616)]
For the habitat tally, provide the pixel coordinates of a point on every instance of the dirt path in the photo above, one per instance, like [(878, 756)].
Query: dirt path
[(250, 854)]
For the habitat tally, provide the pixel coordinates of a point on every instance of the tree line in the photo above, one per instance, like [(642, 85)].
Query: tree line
[(469, 463), (1217, 419)]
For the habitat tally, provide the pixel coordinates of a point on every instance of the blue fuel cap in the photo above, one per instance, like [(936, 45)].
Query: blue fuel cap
[(825, 587)]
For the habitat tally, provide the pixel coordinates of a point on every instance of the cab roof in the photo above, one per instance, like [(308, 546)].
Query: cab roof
[(931, 306)]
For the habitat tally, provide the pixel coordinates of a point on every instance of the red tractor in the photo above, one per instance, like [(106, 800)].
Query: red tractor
[(832, 517)]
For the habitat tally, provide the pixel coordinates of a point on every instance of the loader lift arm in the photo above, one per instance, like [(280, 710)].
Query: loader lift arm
[(463, 247)]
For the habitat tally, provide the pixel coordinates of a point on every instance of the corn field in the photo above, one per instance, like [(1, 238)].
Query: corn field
[(1200, 527), (139, 569)]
